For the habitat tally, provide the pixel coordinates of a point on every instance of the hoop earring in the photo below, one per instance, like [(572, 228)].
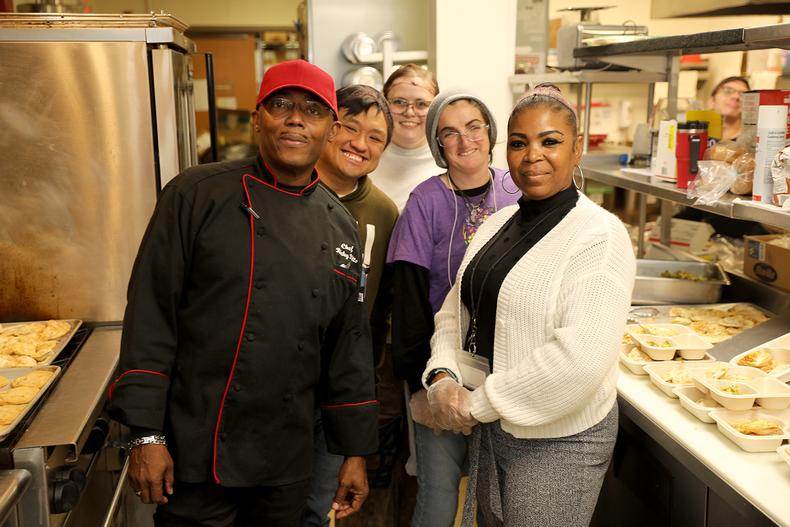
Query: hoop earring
[(504, 178), (579, 186)]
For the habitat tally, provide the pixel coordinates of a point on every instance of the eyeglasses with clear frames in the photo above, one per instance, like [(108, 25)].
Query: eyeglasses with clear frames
[(279, 107), (473, 132), (400, 105), (729, 90)]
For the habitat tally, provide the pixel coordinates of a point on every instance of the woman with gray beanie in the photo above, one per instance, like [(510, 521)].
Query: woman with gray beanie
[(439, 220)]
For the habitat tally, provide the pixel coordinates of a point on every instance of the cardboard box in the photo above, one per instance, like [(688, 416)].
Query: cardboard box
[(685, 234), (767, 262)]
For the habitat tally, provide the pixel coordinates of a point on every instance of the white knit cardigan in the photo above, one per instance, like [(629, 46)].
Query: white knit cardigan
[(560, 315)]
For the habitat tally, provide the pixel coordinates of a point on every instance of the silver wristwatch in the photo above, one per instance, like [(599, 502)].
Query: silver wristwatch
[(156, 439)]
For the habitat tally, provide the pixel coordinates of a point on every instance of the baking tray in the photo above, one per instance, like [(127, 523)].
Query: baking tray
[(61, 341), (13, 373), (661, 314), (650, 288)]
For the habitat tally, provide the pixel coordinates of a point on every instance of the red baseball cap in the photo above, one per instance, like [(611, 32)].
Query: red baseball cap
[(302, 75)]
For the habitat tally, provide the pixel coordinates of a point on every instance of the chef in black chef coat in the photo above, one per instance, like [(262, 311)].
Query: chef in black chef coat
[(244, 313)]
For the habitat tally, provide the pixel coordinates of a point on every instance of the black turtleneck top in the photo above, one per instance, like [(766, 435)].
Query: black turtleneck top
[(485, 273)]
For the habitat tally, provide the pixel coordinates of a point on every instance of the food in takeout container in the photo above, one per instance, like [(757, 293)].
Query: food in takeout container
[(697, 403), (726, 372), (774, 361), (20, 389), (658, 348), (669, 375), (752, 430), (27, 344), (733, 395)]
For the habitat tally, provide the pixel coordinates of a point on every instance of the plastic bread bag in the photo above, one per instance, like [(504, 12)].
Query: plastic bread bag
[(780, 173), (713, 180), (744, 168), (727, 151)]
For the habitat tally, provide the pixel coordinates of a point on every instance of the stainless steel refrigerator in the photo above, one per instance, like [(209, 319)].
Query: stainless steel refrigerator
[(96, 114)]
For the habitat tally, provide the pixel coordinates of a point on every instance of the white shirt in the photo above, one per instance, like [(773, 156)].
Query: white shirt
[(400, 170)]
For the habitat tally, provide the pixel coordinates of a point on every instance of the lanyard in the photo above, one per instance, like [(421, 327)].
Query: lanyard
[(471, 340)]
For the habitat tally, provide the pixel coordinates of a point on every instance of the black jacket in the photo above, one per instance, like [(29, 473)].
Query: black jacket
[(230, 362)]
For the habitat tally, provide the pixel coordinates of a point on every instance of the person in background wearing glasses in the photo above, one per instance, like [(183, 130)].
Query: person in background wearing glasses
[(440, 219), (541, 297), (408, 160), (365, 131), (726, 100), (244, 313)]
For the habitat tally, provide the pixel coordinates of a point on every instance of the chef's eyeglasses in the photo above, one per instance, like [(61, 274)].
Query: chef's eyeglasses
[(473, 132), (279, 107), (729, 90), (400, 105)]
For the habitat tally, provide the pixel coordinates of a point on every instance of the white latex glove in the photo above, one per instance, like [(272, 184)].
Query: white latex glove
[(421, 411), (451, 406)]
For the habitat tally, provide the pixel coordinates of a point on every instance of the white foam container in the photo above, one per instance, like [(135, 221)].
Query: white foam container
[(634, 366), (688, 396), (657, 370), (734, 373), (772, 394), (780, 349), (784, 453), (725, 418), (638, 367), (736, 402), (647, 344), (691, 346)]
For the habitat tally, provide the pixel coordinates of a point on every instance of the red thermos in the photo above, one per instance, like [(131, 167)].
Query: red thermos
[(692, 140)]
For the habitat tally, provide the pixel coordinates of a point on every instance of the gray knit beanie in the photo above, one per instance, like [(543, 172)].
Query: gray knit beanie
[(432, 122)]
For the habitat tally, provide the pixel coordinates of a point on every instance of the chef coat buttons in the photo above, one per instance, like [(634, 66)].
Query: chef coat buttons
[(300, 346), (250, 336), (261, 231), (324, 245), (288, 397), (316, 292), (259, 284)]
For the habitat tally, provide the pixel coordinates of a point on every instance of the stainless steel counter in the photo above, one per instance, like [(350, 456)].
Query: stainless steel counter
[(729, 205)]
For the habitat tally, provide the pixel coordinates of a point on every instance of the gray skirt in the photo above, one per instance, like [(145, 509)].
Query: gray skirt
[(538, 482)]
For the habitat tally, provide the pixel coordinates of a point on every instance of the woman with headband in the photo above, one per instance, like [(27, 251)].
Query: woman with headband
[(441, 217), (542, 296)]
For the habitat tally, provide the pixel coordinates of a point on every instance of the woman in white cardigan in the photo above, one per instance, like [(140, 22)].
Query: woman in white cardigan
[(542, 296)]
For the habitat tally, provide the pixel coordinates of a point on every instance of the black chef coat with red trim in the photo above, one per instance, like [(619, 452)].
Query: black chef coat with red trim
[(232, 385)]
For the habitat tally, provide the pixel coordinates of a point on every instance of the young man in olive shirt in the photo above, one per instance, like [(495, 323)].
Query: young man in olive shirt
[(348, 158)]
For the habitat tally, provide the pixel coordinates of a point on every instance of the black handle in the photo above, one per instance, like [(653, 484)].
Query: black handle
[(212, 105), (694, 148)]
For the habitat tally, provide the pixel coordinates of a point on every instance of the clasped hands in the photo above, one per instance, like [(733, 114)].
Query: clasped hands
[(450, 406)]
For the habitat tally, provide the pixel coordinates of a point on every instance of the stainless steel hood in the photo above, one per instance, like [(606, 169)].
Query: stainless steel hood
[(693, 8)]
